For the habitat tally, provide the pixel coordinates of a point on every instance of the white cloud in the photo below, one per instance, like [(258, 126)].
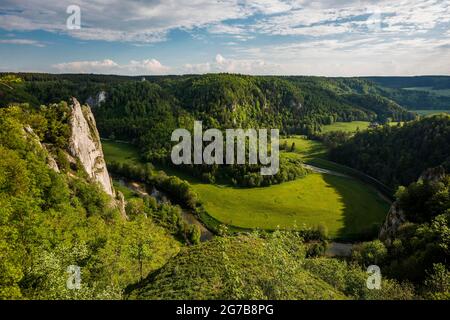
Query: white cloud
[(151, 66), (329, 18), (221, 28), (108, 66), (23, 42), (198, 68), (325, 37), (222, 64), (220, 59), (272, 6), (358, 56), (120, 20)]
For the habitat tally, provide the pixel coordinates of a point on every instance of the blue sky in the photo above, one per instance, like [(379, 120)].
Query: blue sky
[(288, 37)]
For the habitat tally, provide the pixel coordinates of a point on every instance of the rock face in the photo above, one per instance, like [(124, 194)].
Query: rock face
[(433, 175), (84, 144), (120, 204), (394, 219), (97, 100), (51, 162)]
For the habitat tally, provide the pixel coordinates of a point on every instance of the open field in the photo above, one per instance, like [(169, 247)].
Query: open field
[(307, 149), (439, 92), (346, 126), (347, 207), (430, 112), (120, 152)]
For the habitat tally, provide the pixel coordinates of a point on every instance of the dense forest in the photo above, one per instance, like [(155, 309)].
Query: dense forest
[(422, 92), (398, 155)]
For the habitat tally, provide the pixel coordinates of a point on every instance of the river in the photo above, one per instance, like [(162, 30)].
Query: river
[(161, 197)]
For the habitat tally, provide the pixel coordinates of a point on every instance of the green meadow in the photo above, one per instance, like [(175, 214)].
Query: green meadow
[(347, 207), (430, 112), (317, 199), (306, 149), (346, 126), (120, 152)]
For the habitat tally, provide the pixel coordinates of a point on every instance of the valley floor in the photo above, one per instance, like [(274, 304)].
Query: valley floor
[(347, 207)]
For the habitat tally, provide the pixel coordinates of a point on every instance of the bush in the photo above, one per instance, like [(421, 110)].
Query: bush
[(368, 253)]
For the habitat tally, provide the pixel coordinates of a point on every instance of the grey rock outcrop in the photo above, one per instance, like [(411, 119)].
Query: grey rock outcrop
[(433, 175), (97, 100), (121, 204), (84, 144), (394, 219), (51, 162)]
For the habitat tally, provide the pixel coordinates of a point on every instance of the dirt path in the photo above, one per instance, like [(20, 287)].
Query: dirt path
[(336, 249), (321, 170)]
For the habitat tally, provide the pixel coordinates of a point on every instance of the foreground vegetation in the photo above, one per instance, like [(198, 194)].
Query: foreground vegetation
[(267, 266)]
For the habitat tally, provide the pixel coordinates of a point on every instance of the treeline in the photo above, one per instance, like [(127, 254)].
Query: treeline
[(242, 175), (398, 155)]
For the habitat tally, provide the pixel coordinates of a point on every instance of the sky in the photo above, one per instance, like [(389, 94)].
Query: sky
[(261, 37)]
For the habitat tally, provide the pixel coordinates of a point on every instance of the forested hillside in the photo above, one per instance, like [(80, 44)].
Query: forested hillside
[(52, 215), (398, 155), (294, 104), (415, 93)]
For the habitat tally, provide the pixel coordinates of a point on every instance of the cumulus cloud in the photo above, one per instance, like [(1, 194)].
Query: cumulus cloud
[(222, 64), (108, 66)]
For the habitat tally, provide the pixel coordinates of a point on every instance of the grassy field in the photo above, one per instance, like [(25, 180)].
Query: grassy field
[(346, 206), (120, 152), (346, 126), (307, 149), (430, 112), (351, 126)]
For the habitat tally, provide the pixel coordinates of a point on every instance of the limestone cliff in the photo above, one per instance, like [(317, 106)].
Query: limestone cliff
[(394, 219), (99, 98), (51, 162), (84, 144)]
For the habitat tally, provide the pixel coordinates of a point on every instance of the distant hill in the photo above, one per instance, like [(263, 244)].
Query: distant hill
[(416, 93), (435, 82), (398, 155), (134, 104)]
